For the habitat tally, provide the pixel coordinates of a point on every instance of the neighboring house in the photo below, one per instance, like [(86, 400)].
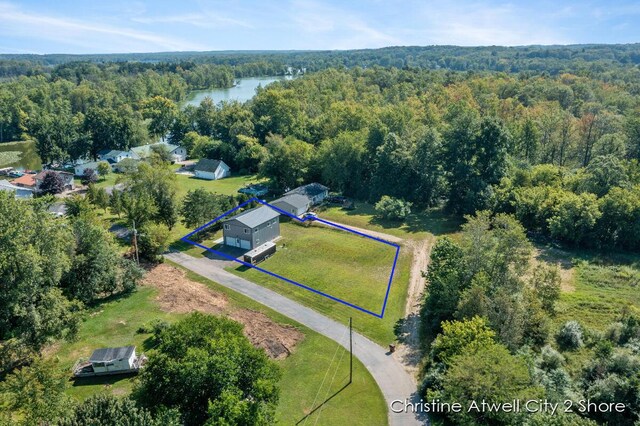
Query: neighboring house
[(79, 169), (314, 191), (19, 192), (251, 228), (113, 156), (294, 204), (26, 181), (211, 169), (178, 153), (67, 178)]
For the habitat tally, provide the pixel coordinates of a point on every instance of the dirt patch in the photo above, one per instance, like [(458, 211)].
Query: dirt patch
[(409, 351), (564, 262), (276, 339), (178, 294)]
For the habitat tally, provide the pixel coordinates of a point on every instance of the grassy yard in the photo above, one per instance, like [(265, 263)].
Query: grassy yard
[(226, 186), (417, 226), (343, 265), (116, 322)]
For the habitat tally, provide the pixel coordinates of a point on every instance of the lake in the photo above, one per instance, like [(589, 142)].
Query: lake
[(243, 91), (21, 155)]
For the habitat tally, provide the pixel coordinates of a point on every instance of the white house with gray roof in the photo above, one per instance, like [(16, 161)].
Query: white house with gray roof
[(251, 228), (314, 191), (295, 204), (178, 153), (211, 169)]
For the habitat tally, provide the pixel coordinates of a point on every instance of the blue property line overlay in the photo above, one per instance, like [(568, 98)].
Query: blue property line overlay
[(317, 219)]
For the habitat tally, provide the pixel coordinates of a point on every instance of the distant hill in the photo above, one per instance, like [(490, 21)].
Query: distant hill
[(552, 59)]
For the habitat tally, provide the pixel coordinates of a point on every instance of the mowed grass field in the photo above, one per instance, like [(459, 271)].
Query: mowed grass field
[(303, 384), (417, 225), (226, 186), (341, 264)]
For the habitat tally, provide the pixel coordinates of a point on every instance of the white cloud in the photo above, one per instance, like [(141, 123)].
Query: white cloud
[(203, 20), (16, 22), (474, 24), (331, 27)]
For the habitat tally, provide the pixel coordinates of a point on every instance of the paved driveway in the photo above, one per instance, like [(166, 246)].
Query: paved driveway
[(393, 380)]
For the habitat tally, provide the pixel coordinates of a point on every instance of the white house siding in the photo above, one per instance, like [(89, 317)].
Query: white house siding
[(80, 168), (179, 154), (205, 175), (221, 172)]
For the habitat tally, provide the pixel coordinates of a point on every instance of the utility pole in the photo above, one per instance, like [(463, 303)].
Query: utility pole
[(135, 242), (350, 351)]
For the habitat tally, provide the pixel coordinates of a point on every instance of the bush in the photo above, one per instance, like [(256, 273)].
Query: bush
[(550, 359), (570, 336), (155, 326), (153, 240), (89, 176), (393, 208)]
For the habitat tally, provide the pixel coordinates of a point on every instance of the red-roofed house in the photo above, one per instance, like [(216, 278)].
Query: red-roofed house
[(26, 181)]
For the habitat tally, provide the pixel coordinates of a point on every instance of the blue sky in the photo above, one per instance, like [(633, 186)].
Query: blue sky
[(68, 26)]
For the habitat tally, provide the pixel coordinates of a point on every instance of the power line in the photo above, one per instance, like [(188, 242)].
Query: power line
[(325, 376), (329, 388)]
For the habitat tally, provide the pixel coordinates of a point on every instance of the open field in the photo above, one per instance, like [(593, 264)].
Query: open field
[(417, 226), (115, 323), (343, 265)]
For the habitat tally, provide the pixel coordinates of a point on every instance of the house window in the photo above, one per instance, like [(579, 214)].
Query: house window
[(227, 227), (246, 230)]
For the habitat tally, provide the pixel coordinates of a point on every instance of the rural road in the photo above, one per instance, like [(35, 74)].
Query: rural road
[(394, 382)]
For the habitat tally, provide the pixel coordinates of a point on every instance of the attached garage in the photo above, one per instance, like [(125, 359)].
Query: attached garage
[(237, 242)]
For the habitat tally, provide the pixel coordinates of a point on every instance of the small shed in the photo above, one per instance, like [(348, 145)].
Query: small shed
[(112, 360)]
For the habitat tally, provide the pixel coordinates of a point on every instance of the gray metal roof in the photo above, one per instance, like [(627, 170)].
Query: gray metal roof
[(207, 165), (111, 152), (295, 200), (255, 216), (110, 354), (309, 190)]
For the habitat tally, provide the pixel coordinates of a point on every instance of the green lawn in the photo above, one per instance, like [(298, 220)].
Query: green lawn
[(417, 226), (343, 265), (226, 186), (115, 323)]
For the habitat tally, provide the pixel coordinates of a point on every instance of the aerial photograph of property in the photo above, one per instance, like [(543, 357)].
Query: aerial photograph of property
[(319, 213)]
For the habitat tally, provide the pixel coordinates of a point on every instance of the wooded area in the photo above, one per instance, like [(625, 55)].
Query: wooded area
[(530, 145)]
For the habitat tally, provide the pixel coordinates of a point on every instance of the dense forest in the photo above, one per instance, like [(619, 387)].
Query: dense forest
[(528, 144), (550, 59)]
